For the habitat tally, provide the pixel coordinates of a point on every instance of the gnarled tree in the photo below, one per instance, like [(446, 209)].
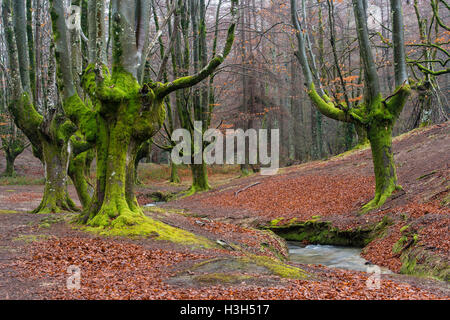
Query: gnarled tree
[(122, 112), (48, 133), (377, 115)]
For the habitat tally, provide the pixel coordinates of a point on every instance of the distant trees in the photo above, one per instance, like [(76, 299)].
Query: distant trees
[(12, 139), (188, 48), (429, 60), (377, 115)]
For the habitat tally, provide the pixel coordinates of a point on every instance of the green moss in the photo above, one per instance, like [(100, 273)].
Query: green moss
[(277, 267), (420, 262), (133, 225), (276, 222), (28, 238), (119, 86), (321, 232), (446, 201), (82, 115), (426, 175), (48, 221), (250, 263), (65, 130), (326, 107), (3, 211), (380, 229), (20, 181), (398, 246), (404, 228)]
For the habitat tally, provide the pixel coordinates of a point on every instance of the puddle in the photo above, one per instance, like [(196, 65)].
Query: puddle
[(331, 256)]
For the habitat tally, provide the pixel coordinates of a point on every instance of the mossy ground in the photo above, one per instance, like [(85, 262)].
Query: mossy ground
[(29, 238), (2, 211), (143, 226), (276, 267)]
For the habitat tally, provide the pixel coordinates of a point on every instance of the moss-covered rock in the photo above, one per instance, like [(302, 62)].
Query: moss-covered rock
[(248, 264), (422, 262), (321, 232)]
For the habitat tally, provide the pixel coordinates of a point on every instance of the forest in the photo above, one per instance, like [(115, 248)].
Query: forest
[(224, 150)]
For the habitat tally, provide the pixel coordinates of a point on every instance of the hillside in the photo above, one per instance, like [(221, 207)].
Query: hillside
[(238, 257)]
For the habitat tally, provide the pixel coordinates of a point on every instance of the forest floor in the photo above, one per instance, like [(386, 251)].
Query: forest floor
[(248, 260)]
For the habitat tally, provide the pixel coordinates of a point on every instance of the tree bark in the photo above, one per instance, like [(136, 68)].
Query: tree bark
[(56, 198), (199, 178), (376, 115)]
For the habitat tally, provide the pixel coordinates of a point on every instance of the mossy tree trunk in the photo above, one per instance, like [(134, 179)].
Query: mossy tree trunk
[(9, 170), (13, 145), (375, 117), (125, 123), (125, 113), (56, 197), (362, 134), (143, 153), (199, 178), (78, 174), (116, 174), (49, 134), (174, 177), (380, 137)]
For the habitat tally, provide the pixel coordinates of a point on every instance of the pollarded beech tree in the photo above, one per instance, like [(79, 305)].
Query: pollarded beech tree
[(377, 115), (49, 133), (122, 112)]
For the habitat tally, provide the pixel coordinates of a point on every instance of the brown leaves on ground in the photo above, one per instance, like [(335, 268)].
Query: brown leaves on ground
[(428, 220), (113, 270), (23, 197), (298, 197)]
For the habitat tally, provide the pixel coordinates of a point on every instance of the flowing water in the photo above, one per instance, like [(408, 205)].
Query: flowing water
[(331, 256)]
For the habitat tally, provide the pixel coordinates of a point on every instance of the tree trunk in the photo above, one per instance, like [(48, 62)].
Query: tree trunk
[(115, 172), (174, 178), (56, 198), (380, 137), (199, 178), (362, 134), (77, 172), (9, 171)]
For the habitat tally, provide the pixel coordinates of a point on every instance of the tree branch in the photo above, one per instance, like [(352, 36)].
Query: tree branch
[(189, 81)]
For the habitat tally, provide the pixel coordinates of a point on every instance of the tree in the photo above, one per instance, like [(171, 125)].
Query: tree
[(13, 143), (49, 133), (375, 114), (197, 103), (122, 111), (13, 140), (430, 63)]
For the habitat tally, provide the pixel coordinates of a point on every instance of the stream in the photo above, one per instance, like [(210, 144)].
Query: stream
[(331, 256)]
